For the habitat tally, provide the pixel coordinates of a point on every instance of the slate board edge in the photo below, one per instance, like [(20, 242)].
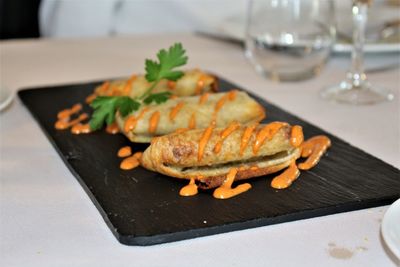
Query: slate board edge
[(308, 214), (65, 160), (194, 233)]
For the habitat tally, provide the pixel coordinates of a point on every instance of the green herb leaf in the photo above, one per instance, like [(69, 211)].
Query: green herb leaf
[(168, 60), (106, 106), (152, 70), (158, 98), (164, 69), (126, 106)]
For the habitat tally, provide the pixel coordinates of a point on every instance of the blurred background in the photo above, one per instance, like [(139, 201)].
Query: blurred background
[(94, 18)]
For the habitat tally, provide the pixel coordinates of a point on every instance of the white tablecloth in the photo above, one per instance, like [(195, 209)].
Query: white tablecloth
[(48, 220)]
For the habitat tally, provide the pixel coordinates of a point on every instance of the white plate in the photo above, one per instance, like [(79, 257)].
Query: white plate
[(6, 97), (391, 228)]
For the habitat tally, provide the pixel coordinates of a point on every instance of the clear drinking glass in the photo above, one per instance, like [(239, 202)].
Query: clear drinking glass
[(289, 40), (356, 89)]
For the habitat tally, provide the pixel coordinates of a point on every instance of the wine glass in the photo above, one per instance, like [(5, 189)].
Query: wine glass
[(356, 89), (289, 40)]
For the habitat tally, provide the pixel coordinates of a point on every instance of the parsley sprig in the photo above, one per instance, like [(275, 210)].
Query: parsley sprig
[(164, 69), (105, 107)]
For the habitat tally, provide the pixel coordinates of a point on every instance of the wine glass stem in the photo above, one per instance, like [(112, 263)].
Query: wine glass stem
[(357, 74)]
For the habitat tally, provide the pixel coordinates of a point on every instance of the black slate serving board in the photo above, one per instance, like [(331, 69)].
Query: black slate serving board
[(144, 208)]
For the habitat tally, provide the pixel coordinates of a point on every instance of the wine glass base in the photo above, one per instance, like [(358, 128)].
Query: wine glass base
[(364, 94)]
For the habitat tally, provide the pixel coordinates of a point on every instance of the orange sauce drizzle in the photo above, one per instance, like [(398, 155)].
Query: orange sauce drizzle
[(66, 113), (220, 103), (173, 97), (125, 151), (246, 137), (132, 161), (233, 126), (81, 128), (266, 133), (114, 91), (200, 84), (204, 140), (90, 98), (66, 123), (128, 85), (154, 119), (313, 149), (192, 121), (129, 163), (138, 155), (181, 130), (296, 136), (286, 178), (131, 121), (64, 120), (232, 95), (175, 110), (203, 98), (189, 190), (112, 128), (226, 191), (104, 87), (171, 85)]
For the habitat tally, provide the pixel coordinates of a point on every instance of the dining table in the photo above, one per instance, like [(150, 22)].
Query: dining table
[(47, 219)]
